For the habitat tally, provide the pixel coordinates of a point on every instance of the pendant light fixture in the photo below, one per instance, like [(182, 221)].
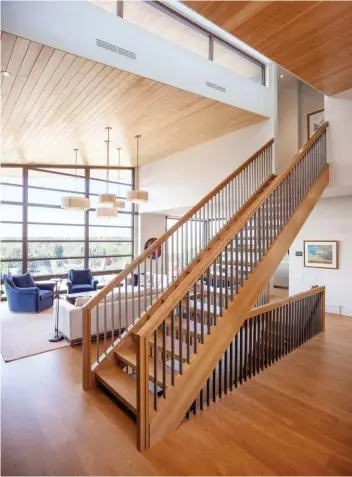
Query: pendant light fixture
[(119, 204), (75, 202), (107, 198), (137, 196)]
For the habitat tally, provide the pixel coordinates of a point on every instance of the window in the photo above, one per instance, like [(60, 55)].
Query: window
[(237, 62), (170, 27), (39, 237), (11, 218)]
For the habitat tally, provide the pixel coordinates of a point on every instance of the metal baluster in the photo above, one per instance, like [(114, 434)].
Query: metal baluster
[(139, 291), (245, 350), (132, 281), (112, 317), (195, 315), (202, 309), (180, 336), (237, 253), (220, 377), (119, 309), (188, 318), (155, 363), (208, 301), (241, 353), (97, 332), (250, 360), (255, 342), (105, 327), (172, 333), (163, 327)]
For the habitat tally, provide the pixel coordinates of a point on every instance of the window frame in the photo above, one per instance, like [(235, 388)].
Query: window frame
[(212, 36), (25, 241)]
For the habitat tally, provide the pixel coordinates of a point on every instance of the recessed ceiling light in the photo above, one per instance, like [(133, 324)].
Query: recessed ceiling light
[(281, 76), (5, 73)]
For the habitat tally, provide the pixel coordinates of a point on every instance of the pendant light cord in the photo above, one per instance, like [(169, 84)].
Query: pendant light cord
[(76, 161), (137, 175), (107, 159)]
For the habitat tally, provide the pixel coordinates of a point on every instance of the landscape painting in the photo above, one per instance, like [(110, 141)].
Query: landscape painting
[(322, 254)]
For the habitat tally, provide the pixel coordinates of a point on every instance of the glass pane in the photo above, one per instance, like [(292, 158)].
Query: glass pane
[(11, 193), (54, 232), (62, 216), (55, 250), (121, 220), (170, 28), (11, 250), (11, 231), (236, 62), (56, 181), (53, 267), (13, 268), (35, 196), (11, 212), (110, 233), (12, 175), (115, 175), (110, 248), (109, 263)]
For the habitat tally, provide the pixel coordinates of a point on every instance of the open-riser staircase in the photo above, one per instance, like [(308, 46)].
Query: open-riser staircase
[(180, 346)]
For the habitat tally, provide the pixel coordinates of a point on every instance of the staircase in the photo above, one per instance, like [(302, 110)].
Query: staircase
[(160, 363)]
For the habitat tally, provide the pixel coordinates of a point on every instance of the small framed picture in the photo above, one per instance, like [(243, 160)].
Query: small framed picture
[(321, 254), (314, 121)]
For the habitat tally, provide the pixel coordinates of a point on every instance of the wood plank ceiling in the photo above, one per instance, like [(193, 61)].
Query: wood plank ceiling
[(312, 40), (54, 102)]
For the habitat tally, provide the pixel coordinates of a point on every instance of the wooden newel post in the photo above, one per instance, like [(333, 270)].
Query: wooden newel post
[(142, 393), (86, 350)]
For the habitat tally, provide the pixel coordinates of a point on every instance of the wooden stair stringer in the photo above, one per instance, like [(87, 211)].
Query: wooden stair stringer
[(187, 386)]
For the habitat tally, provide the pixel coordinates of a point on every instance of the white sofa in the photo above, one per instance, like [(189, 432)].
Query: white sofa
[(70, 316)]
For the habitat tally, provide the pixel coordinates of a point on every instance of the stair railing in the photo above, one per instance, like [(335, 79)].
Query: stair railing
[(188, 317), (113, 311), (269, 333)]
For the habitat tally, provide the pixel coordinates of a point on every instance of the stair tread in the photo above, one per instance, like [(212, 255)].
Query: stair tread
[(184, 326), (119, 383), (128, 355), (168, 343)]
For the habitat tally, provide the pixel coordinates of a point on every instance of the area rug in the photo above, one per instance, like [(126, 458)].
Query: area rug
[(26, 334)]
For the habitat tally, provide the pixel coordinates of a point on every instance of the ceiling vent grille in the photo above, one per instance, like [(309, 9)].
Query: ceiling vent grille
[(215, 86), (115, 49)]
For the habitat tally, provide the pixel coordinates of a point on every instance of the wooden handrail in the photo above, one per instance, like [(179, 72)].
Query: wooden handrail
[(220, 240), (154, 246), (283, 301)]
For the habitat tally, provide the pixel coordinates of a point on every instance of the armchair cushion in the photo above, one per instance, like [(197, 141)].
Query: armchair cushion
[(81, 288), (23, 281), (80, 277), (45, 286), (44, 294)]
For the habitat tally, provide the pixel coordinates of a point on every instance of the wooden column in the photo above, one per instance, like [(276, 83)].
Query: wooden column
[(142, 393), (86, 350)]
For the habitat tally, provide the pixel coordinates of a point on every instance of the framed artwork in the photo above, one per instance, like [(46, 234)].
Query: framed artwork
[(314, 121), (321, 254)]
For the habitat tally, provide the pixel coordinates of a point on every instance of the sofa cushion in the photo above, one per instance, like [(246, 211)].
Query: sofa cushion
[(23, 281), (44, 294), (80, 277)]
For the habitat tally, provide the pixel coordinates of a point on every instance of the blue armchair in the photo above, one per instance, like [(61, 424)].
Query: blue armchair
[(81, 281), (25, 295)]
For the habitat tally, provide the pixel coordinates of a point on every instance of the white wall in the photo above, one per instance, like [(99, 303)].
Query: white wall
[(182, 179), (150, 226), (288, 121), (311, 100), (74, 26), (338, 111), (331, 219)]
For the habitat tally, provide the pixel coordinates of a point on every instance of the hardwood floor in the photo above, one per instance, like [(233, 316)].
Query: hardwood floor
[(293, 419)]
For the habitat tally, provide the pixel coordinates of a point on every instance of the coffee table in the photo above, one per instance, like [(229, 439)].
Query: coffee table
[(71, 297)]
